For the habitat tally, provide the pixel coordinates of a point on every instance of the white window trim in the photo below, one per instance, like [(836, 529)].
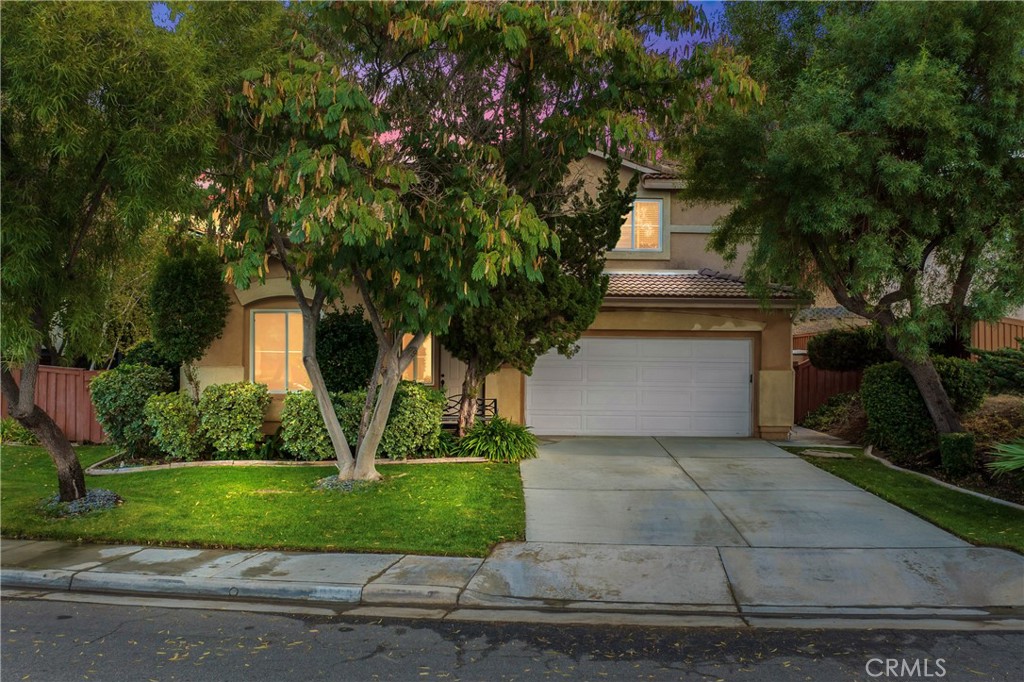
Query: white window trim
[(252, 343), (661, 227)]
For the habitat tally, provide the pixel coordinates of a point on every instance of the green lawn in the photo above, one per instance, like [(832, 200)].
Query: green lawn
[(445, 509), (973, 519)]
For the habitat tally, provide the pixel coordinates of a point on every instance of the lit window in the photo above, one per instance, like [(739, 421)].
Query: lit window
[(421, 369), (277, 351), (641, 230)]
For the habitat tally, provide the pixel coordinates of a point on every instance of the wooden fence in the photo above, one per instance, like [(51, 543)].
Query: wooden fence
[(815, 386), (1002, 334), (63, 393)]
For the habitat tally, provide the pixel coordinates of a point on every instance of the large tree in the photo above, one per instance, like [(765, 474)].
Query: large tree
[(524, 318), (886, 165), (106, 124), (541, 85), (309, 180)]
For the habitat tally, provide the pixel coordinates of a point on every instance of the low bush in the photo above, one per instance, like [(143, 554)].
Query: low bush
[(844, 350), (499, 440), (447, 445), (119, 396), (11, 431), (302, 428), (232, 417), (898, 420), (1008, 457), (174, 418), (957, 452), (1004, 368), (831, 413), (412, 432), (146, 353), (415, 422)]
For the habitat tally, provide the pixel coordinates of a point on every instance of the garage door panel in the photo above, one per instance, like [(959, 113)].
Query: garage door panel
[(607, 373), (667, 349), (667, 373), (720, 425), (664, 424), (559, 374), (608, 399), (611, 349), (610, 424), (722, 374), (664, 386), (717, 400), (558, 399), (666, 400)]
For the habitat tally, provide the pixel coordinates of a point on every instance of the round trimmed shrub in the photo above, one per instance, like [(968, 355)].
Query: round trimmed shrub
[(346, 349), (177, 430), (232, 417), (119, 396), (898, 420), (957, 452), (302, 428), (845, 350), (414, 425)]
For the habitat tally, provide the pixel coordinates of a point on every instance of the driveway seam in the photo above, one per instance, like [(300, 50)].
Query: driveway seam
[(701, 489)]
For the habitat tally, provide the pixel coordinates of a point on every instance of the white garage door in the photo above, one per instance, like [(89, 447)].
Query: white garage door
[(655, 387)]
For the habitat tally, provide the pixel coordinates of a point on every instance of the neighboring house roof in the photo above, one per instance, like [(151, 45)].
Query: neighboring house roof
[(703, 284), (820, 319), (652, 176)]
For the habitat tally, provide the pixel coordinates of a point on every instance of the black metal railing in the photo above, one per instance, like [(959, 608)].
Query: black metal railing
[(486, 408)]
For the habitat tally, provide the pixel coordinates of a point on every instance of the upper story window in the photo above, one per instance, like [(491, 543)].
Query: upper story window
[(277, 351), (641, 230), (421, 369)]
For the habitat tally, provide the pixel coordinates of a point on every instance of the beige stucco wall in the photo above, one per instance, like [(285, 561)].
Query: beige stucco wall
[(685, 229), (771, 333)]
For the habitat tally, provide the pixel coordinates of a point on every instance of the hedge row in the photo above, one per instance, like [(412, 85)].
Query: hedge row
[(413, 430)]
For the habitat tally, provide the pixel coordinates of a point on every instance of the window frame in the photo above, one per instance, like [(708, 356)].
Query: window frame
[(252, 343), (435, 361), (661, 227)]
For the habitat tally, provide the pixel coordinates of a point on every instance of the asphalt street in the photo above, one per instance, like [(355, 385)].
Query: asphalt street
[(62, 640)]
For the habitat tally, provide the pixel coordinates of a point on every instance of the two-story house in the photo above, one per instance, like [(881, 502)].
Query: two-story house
[(678, 349)]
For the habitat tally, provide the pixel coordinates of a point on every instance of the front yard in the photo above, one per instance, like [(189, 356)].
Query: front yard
[(441, 509)]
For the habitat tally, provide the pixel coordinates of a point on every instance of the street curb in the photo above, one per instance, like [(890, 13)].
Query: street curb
[(432, 605)]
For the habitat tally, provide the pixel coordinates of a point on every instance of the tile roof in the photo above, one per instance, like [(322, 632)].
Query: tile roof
[(706, 283)]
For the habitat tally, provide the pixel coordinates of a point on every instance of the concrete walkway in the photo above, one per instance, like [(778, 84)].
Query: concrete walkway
[(668, 531)]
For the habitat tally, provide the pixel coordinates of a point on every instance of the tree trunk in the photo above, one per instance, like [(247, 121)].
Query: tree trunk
[(21, 405), (468, 401), (394, 360), (192, 379), (365, 468), (371, 395), (346, 465), (940, 408)]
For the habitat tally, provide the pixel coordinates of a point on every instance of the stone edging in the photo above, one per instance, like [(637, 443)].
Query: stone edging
[(94, 470), (1006, 503)]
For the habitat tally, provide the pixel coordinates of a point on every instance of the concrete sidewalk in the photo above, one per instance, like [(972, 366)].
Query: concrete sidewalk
[(560, 583)]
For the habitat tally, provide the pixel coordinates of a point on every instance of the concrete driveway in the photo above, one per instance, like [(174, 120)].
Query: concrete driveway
[(728, 525)]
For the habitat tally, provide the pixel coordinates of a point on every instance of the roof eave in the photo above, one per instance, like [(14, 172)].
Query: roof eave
[(698, 302)]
